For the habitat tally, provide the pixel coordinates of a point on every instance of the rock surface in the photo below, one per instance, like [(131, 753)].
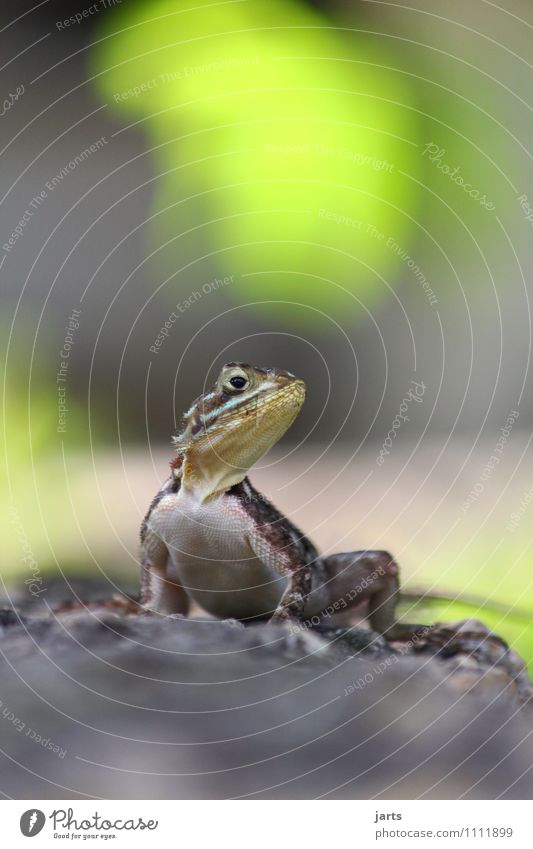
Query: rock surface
[(97, 704)]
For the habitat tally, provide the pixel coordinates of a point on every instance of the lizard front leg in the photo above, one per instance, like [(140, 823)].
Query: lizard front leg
[(159, 594), (293, 601), (372, 577), (270, 543)]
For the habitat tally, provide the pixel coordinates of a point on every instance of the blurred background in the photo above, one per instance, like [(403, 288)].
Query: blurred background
[(340, 189)]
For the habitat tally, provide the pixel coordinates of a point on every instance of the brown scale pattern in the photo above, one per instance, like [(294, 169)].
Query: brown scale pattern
[(304, 559)]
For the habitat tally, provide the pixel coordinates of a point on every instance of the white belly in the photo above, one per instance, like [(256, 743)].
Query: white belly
[(211, 558)]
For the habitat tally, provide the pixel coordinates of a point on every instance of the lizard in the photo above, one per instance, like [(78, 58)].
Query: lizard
[(210, 537)]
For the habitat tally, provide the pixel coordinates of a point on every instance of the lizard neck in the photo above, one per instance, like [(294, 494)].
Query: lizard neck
[(205, 476)]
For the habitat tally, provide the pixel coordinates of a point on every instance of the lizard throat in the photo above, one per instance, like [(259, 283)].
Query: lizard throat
[(204, 477)]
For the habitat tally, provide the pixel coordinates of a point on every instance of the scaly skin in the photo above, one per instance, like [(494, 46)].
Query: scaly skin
[(209, 536)]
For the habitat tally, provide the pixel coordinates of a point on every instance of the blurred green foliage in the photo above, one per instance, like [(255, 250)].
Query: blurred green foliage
[(34, 498), (281, 143)]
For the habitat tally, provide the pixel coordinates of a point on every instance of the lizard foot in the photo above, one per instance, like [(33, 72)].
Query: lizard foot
[(466, 637), (479, 656)]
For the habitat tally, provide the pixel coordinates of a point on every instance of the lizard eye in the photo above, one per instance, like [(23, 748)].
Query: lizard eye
[(238, 382)]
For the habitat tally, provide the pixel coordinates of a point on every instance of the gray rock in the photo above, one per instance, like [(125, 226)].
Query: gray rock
[(98, 704)]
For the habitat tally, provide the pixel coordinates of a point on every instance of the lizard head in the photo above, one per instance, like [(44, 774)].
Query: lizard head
[(234, 424)]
